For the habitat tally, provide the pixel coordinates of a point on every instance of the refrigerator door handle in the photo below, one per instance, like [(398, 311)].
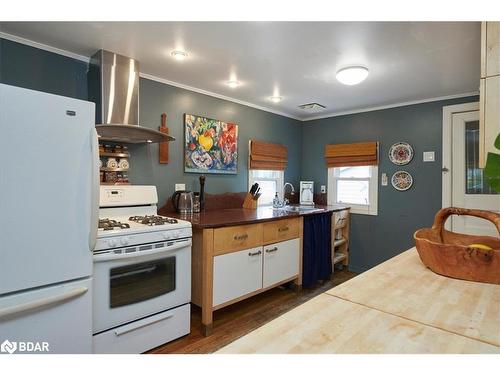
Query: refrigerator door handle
[(12, 311), (94, 210)]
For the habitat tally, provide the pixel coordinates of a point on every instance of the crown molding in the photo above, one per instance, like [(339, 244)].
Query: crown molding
[(45, 47), (215, 95), (86, 59), (394, 105)]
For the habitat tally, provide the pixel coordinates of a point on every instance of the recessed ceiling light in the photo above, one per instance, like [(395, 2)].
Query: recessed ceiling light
[(275, 99), (233, 83), (352, 75), (179, 55)]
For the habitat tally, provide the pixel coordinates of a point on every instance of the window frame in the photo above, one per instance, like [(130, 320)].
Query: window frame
[(369, 209), (280, 181)]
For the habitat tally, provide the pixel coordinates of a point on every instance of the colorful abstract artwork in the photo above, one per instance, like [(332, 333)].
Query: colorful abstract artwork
[(210, 146)]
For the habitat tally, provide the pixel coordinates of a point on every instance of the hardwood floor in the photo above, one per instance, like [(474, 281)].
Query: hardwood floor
[(236, 320)]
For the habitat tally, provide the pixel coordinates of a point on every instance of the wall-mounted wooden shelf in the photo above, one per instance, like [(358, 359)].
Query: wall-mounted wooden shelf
[(115, 183), (106, 169), (115, 154)]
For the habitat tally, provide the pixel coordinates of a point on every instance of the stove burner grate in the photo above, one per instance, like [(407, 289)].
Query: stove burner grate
[(152, 220), (108, 224)]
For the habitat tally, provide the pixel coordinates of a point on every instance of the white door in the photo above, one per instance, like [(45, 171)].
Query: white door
[(49, 188), (58, 317), (469, 187), (237, 274), (281, 261)]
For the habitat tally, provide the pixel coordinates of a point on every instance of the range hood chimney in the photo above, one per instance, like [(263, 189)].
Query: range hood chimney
[(113, 83)]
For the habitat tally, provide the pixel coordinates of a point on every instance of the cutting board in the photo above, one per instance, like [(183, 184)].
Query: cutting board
[(163, 147)]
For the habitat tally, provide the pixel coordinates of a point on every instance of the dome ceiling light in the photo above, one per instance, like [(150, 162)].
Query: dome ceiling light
[(352, 75)]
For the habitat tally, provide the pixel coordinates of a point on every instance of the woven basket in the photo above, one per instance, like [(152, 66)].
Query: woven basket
[(452, 254)]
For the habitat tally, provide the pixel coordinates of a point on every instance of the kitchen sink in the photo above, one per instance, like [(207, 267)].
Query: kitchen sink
[(300, 209)]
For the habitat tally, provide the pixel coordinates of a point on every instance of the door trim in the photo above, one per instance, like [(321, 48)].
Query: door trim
[(448, 112)]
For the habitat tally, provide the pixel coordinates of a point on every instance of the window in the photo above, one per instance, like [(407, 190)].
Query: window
[(270, 182), (355, 186)]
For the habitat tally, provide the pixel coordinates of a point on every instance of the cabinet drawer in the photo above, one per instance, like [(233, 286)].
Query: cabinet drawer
[(237, 274), (281, 261), (237, 238), (280, 230), (144, 334)]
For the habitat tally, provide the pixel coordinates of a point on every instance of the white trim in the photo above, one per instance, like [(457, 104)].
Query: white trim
[(76, 56), (372, 208), (45, 47), (394, 105), (448, 112), (215, 95)]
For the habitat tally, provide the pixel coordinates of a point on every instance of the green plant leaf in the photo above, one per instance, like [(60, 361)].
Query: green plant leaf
[(492, 170), (497, 142)]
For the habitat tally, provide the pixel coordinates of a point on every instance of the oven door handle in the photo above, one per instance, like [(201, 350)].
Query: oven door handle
[(143, 323), (136, 254)]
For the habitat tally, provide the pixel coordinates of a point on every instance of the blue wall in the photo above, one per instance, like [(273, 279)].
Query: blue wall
[(156, 98), (36, 69), (33, 68), (377, 238), (373, 238)]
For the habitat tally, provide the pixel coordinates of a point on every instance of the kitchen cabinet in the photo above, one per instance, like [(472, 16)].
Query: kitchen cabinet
[(489, 90), (237, 274), (281, 262), (235, 262)]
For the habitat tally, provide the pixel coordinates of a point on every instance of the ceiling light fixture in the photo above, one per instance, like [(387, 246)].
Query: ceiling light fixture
[(275, 99), (233, 83), (352, 75), (179, 55)]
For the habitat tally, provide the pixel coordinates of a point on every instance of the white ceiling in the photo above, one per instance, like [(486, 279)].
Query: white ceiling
[(408, 61)]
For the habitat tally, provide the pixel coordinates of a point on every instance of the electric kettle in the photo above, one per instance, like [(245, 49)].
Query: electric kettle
[(182, 201)]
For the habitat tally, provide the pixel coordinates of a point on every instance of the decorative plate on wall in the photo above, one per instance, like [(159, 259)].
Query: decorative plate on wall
[(401, 153), (401, 180)]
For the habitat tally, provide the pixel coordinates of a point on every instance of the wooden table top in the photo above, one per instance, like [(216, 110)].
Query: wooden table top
[(404, 287), (241, 216), (397, 307)]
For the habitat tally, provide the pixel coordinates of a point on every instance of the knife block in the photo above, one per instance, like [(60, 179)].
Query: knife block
[(249, 202)]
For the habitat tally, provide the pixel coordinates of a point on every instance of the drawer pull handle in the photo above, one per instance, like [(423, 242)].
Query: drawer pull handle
[(284, 229), (241, 237), (254, 254), (272, 250)]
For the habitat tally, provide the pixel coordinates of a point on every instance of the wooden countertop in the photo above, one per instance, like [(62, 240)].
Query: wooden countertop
[(242, 216), (399, 306)]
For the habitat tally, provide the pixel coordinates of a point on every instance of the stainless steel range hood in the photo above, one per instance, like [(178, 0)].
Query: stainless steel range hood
[(113, 83)]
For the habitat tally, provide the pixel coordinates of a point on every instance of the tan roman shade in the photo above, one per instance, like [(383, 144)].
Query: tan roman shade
[(351, 154), (265, 155)]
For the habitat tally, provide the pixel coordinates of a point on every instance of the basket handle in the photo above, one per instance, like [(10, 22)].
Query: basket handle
[(443, 214)]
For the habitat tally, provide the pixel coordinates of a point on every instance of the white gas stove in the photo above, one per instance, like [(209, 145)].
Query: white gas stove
[(142, 273)]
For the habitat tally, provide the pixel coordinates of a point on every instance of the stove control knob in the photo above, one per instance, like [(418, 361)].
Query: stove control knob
[(175, 234), (124, 241), (166, 235), (112, 242)]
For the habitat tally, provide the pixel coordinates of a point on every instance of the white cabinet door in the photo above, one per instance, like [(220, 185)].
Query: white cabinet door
[(237, 274), (281, 261)]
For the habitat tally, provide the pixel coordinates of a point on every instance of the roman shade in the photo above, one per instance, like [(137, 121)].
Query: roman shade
[(351, 154), (263, 155)]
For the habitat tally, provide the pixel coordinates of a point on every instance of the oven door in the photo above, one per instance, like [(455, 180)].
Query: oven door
[(134, 282)]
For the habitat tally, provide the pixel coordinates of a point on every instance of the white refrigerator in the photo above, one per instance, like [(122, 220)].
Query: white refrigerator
[(49, 181)]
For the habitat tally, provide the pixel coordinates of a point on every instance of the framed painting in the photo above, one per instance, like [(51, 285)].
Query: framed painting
[(210, 146)]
